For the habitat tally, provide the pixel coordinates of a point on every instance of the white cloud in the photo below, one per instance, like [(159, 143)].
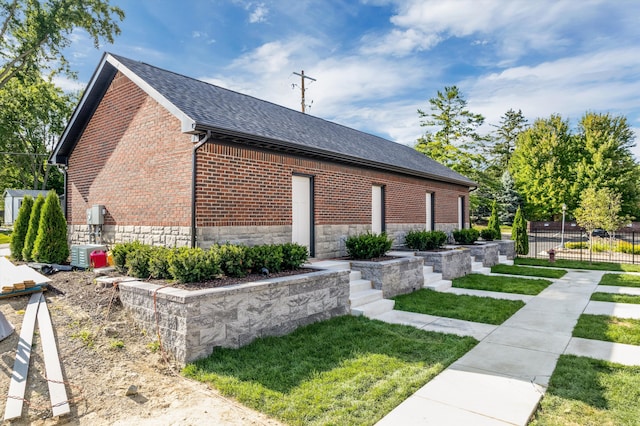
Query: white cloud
[(68, 84), (259, 13)]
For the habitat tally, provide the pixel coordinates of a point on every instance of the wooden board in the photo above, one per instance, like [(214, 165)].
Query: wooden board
[(18, 383), (57, 390), (22, 292)]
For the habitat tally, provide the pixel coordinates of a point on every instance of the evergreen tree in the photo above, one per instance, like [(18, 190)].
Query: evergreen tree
[(519, 234), (34, 223), (20, 227), (508, 198), (494, 222), (51, 243), (504, 139)]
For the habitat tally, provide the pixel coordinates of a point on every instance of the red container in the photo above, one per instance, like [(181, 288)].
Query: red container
[(98, 259)]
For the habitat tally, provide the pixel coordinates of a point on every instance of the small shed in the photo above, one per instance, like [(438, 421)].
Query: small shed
[(13, 200)]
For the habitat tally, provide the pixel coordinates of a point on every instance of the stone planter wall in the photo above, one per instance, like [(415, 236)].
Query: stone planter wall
[(487, 253), (507, 248), (193, 323), (451, 263), (393, 277)]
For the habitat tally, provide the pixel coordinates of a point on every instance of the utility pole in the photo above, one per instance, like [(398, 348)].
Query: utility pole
[(302, 89)]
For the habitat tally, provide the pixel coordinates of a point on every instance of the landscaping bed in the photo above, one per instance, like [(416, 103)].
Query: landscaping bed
[(526, 286)]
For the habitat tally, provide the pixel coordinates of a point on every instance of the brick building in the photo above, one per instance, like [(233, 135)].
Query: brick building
[(176, 161)]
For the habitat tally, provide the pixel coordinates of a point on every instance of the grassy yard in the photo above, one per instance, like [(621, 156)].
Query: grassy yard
[(527, 271), (575, 264), (469, 308), (608, 328), (616, 298), (347, 370), (584, 391), (623, 280), (502, 284), (5, 237)]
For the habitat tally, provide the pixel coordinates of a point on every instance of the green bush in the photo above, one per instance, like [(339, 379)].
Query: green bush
[(487, 234), (138, 262), (120, 252), (519, 233), (494, 222), (577, 245), (266, 256), (189, 265), (234, 260), (32, 233), (368, 246), (51, 242), (466, 236), (294, 256), (425, 240), (21, 227), (626, 247), (159, 263)]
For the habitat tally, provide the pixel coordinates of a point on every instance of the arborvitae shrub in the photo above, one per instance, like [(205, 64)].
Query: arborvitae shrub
[(425, 240), (494, 222), (519, 234), (466, 236), (368, 246), (21, 227), (51, 243), (32, 233)]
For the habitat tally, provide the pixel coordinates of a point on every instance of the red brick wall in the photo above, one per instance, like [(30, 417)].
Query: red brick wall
[(132, 158), (238, 186)]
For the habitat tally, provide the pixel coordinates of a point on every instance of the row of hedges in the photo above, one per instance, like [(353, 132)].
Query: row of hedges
[(603, 246), (195, 264)]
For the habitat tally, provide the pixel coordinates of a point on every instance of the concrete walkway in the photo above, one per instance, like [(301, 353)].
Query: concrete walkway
[(502, 379)]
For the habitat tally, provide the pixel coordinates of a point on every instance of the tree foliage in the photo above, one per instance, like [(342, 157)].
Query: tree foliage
[(600, 208), (51, 242), (34, 33), (32, 232), (508, 198), (20, 227), (519, 233), (503, 142)]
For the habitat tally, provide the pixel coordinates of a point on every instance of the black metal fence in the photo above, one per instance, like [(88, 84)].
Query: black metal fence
[(621, 247)]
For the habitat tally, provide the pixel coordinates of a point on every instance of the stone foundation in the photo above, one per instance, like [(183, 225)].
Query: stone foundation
[(193, 323), (393, 277), (451, 263), (487, 253), (507, 248), (247, 235), (167, 236)]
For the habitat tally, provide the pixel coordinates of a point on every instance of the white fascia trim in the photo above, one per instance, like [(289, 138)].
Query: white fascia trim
[(187, 123)]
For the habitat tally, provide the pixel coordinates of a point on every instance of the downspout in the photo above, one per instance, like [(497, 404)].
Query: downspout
[(197, 145)]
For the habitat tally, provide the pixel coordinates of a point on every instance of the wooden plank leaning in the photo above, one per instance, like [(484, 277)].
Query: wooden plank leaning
[(57, 390), (18, 383)]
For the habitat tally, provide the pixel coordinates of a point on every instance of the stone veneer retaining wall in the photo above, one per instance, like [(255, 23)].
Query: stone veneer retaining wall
[(451, 263), (487, 253), (507, 248), (194, 322), (393, 277), (168, 236)]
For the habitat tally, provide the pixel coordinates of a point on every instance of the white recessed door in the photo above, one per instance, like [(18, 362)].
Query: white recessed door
[(377, 213), (301, 211)]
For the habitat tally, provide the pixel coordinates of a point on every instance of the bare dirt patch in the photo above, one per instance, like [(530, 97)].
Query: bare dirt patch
[(103, 354)]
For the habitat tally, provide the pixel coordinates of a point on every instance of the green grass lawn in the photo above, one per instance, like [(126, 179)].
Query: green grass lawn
[(502, 284), (575, 264), (344, 371), (527, 271), (5, 237), (585, 391), (469, 308), (623, 280), (608, 328), (616, 298)]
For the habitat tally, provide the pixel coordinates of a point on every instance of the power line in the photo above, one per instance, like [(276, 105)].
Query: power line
[(302, 89)]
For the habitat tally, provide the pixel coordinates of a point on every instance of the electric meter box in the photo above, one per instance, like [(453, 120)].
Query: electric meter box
[(95, 215)]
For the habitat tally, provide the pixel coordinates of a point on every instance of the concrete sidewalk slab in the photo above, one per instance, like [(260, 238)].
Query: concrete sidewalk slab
[(620, 310), (634, 291), (439, 324), (607, 351), (539, 321), (530, 339), (493, 294)]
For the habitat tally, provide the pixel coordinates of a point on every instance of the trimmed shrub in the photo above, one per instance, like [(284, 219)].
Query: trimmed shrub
[(466, 236), (487, 234), (234, 260), (294, 256), (266, 256), (425, 240), (120, 252), (494, 222), (159, 263), (21, 227), (576, 245), (138, 261), (368, 246), (626, 247), (51, 242), (189, 265), (519, 233), (32, 233)]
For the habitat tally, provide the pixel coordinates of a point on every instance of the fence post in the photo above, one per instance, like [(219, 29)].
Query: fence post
[(633, 247)]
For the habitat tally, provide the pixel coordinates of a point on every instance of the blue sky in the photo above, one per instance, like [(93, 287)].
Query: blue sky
[(377, 61)]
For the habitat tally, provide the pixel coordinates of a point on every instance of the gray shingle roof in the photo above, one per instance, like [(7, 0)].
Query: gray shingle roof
[(224, 111), (23, 192)]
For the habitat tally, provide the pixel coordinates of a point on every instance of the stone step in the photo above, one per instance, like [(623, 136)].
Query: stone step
[(356, 286), (373, 309), (441, 285), (364, 296), (432, 277), (355, 275), (503, 260), (481, 270), (427, 269), (401, 253)]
